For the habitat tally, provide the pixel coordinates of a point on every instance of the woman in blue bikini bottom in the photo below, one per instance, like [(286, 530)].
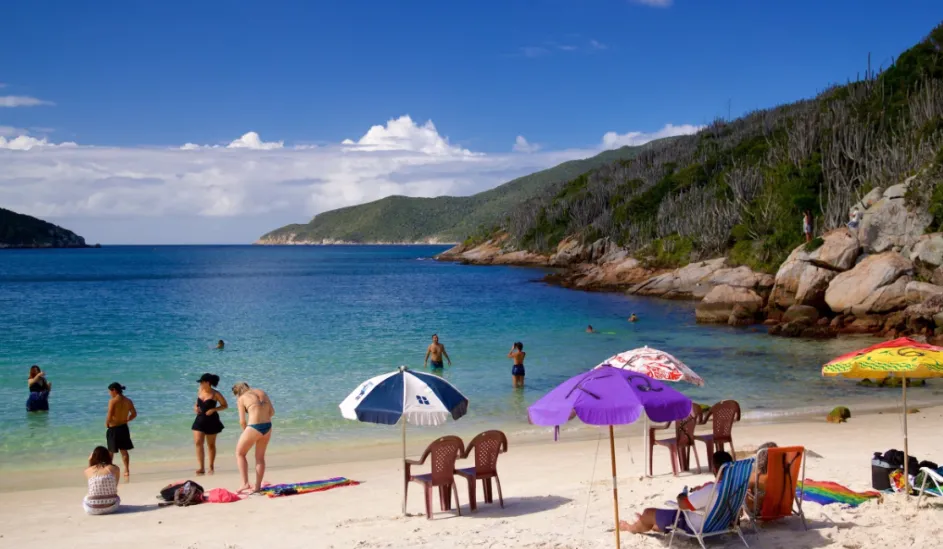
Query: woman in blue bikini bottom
[(255, 416)]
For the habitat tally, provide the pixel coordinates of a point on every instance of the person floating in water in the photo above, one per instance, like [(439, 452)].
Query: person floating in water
[(435, 352), (209, 403), (589, 329), (633, 318), (39, 388), (120, 412), (220, 345), (256, 431), (517, 354)]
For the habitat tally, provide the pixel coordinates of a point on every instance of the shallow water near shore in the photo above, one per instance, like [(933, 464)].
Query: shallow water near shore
[(309, 323)]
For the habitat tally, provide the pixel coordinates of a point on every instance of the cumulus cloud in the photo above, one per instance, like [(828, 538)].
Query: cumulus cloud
[(25, 143), (654, 3), (613, 140), (22, 101), (521, 145), (249, 140), (402, 134)]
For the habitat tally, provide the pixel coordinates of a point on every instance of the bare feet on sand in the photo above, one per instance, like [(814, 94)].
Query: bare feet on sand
[(200, 472)]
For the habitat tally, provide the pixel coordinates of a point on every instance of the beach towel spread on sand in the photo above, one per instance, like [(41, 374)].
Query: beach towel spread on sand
[(279, 490), (827, 493)]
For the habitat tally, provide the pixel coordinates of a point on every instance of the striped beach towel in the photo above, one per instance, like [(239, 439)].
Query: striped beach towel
[(279, 490), (827, 493)]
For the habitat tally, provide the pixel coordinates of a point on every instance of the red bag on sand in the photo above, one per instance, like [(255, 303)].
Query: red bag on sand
[(221, 495)]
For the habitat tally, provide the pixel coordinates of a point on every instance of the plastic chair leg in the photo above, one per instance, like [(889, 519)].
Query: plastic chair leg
[(651, 454), (489, 493), (472, 498), (675, 458), (500, 496), (428, 491), (696, 459), (458, 504)]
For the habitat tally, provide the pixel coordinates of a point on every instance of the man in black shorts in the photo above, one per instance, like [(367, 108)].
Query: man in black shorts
[(120, 412), (435, 352)]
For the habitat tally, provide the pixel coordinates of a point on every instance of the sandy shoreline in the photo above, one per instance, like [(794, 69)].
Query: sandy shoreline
[(556, 494)]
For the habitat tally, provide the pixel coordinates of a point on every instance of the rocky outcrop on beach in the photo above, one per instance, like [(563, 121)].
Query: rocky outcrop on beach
[(733, 305), (697, 280), (494, 251)]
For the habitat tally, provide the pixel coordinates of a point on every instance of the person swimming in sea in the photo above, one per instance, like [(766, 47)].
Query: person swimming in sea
[(589, 329), (434, 354), (256, 431), (220, 345), (517, 354), (117, 435), (633, 318), (39, 389)]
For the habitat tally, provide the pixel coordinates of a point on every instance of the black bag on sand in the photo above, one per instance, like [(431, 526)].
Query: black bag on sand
[(189, 494), (169, 492)]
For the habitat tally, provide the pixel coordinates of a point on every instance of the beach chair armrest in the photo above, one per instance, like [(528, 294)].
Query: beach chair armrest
[(415, 461)]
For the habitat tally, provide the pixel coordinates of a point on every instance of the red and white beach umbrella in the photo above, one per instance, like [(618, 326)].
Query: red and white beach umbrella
[(655, 364)]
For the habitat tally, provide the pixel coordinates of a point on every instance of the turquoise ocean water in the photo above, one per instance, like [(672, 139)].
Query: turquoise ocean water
[(309, 323)]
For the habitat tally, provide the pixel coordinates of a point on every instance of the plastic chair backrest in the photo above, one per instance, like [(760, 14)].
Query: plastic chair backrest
[(488, 446), (723, 415), (731, 493), (684, 428), (444, 451), (783, 470)]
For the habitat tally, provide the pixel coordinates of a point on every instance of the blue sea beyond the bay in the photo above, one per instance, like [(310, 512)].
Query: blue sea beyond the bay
[(307, 324)]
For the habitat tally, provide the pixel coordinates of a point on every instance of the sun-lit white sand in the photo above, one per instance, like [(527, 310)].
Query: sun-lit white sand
[(557, 495)]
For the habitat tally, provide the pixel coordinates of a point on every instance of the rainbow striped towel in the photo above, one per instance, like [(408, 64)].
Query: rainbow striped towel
[(279, 490), (826, 493)]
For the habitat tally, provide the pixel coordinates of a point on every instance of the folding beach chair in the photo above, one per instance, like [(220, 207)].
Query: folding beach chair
[(935, 489), (785, 472), (728, 497)]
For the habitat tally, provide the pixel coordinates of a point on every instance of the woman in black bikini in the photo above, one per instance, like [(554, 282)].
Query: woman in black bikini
[(39, 388), (517, 371), (256, 431), (209, 403)]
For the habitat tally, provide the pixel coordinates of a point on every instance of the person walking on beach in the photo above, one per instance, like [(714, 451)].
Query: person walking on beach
[(120, 412), (256, 431), (517, 371), (807, 225), (39, 388), (434, 354), (209, 403)]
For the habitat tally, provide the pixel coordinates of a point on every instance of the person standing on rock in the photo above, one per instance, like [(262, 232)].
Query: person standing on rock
[(434, 354), (807, 225)]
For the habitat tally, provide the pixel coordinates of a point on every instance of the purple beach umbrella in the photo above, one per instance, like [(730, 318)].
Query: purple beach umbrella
[(610, 396)]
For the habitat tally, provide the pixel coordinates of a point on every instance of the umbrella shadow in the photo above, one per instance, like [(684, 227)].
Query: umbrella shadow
[(517, 507)]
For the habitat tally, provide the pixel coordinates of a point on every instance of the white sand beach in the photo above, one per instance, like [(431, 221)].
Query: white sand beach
[(557, 495)]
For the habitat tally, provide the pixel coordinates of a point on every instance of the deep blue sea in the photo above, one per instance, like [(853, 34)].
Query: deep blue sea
[(307, 324)]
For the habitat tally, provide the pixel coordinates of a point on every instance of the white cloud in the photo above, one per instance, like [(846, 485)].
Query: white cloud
[(25, 143), (402, 134), (597, 45), (654, 3), (22, 101), (251, 140), (613, 140), (7, 131), (523, 146)]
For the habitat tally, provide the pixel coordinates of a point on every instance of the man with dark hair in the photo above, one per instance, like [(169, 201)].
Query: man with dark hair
[(434, 354), (699, 499)]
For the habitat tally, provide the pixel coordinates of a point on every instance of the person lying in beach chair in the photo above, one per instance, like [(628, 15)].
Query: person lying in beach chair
[(708, 510), (779, 472), (930, 485)]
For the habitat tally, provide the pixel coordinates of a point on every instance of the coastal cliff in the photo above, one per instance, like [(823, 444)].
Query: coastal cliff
[(24, 231)]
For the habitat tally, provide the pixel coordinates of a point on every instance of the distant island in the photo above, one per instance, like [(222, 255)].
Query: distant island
[(24, 231), (441, 220)]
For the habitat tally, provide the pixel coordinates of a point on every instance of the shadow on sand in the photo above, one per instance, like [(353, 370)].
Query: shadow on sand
[(132, 509), (515, 507)]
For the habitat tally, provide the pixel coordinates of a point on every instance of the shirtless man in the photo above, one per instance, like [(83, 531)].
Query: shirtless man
[(120, 412), (435, 352), (256, 431), (517, 354)]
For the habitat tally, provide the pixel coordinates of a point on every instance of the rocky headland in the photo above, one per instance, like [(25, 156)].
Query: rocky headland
[(24, 231)]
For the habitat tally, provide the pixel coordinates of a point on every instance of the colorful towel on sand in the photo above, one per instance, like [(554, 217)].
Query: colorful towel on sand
[(826, 493), (279, 490)]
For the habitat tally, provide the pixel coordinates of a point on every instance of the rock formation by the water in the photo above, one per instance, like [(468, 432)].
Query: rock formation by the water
[(24, 231)]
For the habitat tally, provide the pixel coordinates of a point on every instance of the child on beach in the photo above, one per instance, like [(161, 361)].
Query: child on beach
[(120, 412), (517, 354)]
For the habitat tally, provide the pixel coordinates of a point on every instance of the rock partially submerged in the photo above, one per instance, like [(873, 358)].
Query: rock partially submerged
[(732, 305)]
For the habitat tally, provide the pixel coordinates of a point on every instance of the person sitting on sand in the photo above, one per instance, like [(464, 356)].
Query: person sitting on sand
[(589, 329), (256, 431), (757, 488), (39, 388), (120, 412), (434, 354), (517, 354), (207, 424), (661, 520), (220, 345), (102, 476), (633, 318)]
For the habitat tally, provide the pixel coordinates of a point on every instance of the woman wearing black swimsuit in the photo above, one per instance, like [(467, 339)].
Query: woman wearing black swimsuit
[(39, 388), (209, 403)]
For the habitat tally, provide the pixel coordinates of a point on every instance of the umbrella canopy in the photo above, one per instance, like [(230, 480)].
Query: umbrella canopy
[(903, 358), (655, 364), (609, 396), (419, 398)]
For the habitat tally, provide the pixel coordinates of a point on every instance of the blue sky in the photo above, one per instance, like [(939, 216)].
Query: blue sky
[(135, 77)]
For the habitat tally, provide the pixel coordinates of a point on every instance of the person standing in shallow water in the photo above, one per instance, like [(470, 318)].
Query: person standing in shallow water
[(517, 355), (220, 345), (434, 354), (120, 412), (256, 431), (39, 388), (209, 403)]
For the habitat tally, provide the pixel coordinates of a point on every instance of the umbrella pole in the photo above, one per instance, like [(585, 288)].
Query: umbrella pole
[(405, 484), (906, 449), (615, 485)]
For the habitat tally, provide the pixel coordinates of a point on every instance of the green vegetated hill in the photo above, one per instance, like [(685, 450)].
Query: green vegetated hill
[(739, 187), (443, 219), (23, 231)]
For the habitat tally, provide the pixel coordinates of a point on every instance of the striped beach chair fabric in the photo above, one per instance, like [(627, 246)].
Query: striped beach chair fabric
[(729, 497), (932, 484)]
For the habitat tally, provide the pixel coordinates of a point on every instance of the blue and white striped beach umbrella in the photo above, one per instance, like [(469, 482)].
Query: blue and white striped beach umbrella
[(413, 397), (419, 398)]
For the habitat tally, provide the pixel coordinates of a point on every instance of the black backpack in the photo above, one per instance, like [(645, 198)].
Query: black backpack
[(181, 494)]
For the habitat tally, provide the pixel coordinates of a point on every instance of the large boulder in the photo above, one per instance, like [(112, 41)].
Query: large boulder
[(889, 224), (869, 200), (787, 279), (688, 282), (885, 299), (569, 251), (729, 304), (855, 287), (803, 278), (802, 313), (838, 251), (927, 255), (813, 283), (919, 292)]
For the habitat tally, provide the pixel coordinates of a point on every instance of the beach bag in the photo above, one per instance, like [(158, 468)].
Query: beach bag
[(221, 495), (167, 492), (189, 494)]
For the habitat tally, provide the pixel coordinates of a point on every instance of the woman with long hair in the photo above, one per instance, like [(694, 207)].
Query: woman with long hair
[(256, 431), (39, 388), (102, 476), (209, 403)]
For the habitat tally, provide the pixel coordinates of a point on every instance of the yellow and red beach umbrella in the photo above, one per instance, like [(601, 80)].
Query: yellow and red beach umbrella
[(902, 358)]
